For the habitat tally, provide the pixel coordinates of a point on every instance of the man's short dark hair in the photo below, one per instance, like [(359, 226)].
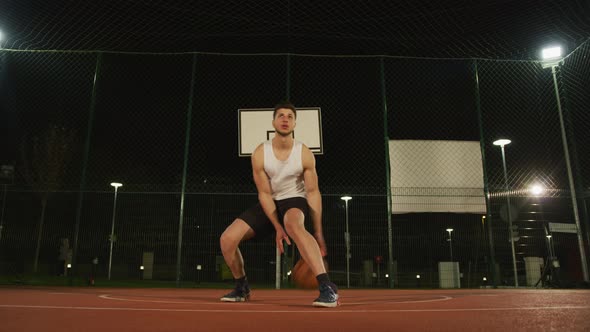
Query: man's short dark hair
[(284, 104)]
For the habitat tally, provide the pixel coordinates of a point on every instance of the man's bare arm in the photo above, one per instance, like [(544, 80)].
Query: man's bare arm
[(314, 197)]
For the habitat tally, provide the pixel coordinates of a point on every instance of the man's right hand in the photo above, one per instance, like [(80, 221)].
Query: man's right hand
[(281, 235)]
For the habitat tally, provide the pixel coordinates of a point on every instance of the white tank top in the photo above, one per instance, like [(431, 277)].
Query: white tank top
[(286, 177)]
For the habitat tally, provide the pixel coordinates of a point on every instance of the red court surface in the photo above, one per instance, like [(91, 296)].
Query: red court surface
[(107, 309)]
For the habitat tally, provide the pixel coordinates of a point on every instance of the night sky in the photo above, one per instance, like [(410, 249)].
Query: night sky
[(411, 74), (455, 28)]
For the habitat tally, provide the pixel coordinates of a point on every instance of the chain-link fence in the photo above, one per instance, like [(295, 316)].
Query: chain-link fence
[(166, 127)]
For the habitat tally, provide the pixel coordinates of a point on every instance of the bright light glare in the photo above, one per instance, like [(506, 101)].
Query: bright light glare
[(485, 279), (69, 266), (502, 142), (449, 230), (141, 267), (346, 198), (551, 53), (537, 189), (417, 276), (116, 184)]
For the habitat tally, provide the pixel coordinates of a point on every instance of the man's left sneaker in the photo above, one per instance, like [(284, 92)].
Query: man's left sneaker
[(328, 296)]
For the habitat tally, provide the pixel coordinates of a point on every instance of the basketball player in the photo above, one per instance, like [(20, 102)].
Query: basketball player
[(287, 182)]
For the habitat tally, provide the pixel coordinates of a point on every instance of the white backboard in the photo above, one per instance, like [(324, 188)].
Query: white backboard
[(436, 176), (255, 127)]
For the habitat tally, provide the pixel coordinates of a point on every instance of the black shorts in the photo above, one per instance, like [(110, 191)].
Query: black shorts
[(259, 222)]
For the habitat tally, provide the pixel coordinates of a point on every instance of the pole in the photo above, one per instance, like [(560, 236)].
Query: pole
[(112, 232), (509, 216), (387, 176), (189, 115), (451, 245), (549, 246), (278, 257), (570, 178), (347, 241), (3, 207), (278, 267), (89, 129), (485, 178)]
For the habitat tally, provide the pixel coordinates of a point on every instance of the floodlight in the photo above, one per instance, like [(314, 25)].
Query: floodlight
[(551, 53), (551, 57), (502, 142), (537, 189)]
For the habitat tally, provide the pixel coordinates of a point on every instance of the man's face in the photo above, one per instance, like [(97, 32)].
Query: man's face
[(284, 122)]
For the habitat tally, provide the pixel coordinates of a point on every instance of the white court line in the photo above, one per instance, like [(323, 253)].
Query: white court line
[(442, 298), (323, 311), (109, 297), (69, 293)]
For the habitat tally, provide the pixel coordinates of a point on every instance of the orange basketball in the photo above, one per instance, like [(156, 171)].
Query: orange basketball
[(303, 276)]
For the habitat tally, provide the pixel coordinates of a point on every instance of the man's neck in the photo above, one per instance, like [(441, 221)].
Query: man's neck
[(283, 142)]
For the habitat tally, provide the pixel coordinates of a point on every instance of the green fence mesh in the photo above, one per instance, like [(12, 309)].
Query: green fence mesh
[(73, 122)]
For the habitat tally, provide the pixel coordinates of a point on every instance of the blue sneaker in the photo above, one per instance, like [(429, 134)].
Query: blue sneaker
[(239, 294), (328, 296)]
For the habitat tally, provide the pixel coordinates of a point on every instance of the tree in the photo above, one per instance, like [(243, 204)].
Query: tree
[(44, 160)]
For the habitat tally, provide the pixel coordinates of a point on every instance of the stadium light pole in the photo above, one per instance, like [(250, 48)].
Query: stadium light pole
[(450, 230), (502, 143), (548, 236), (5, 168), (6, 173), (552, 58), (347, 241), (3, 207), (1, 39), (112, 237)]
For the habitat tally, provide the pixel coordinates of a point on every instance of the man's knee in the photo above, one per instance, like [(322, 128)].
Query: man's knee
[(294, 221), (224, 242), (234, 234), (294, 214), (228, 239)]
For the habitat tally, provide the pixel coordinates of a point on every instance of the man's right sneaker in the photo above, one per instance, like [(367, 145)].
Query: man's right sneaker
[(328, 296), (239, 294)]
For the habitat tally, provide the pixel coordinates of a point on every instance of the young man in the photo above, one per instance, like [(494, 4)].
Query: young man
[(287, 182)]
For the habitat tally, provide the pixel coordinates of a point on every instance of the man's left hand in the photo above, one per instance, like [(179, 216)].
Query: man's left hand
[(319, 237)]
